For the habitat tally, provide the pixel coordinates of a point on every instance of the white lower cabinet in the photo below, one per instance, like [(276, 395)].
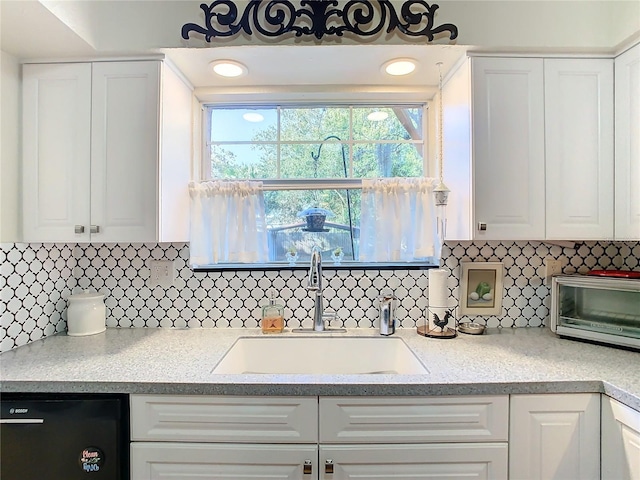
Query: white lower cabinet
[(453, 461), (620, 441), (517, 437), (307, 438), (554, 437), (388, 420), (413, 437), (222, 461), (222, 437), (202, 419)]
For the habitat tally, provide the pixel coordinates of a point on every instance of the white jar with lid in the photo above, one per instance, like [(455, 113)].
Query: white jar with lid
[(86, 314)]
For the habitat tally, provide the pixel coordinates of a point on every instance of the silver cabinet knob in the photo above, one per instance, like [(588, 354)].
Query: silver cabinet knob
[(94, 229), (482, 226), (79, 229)]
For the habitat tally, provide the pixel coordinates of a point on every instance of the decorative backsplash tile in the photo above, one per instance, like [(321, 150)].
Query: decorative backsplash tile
[(35, 280)]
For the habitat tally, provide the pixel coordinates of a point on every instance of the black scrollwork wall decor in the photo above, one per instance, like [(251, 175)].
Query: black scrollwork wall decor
[(318, 18)]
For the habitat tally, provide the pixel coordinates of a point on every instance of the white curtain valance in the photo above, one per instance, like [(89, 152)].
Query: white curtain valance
[(398, 220), (228, 223)]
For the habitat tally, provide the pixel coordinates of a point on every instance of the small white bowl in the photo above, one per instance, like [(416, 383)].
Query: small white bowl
[(471, 328)]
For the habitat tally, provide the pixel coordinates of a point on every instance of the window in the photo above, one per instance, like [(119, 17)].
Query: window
[(312, 161)]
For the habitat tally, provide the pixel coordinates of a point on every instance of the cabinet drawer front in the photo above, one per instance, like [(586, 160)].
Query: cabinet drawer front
[(224, 419), (453, 461), (413, 419), (205, 461)]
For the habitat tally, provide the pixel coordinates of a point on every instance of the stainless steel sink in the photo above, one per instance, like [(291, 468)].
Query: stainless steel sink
[(320, 355)]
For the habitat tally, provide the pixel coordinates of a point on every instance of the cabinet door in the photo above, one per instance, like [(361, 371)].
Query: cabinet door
[(453, 461), (56, 152), (201, 461), (508, 148), (579, 148), (554, 437), (620, 441), (124, 151), (627, 162)]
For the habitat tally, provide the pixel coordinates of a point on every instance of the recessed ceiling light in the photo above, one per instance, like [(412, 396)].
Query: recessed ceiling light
[(400, 66), (377, 116), (229, 68), (253, 117)]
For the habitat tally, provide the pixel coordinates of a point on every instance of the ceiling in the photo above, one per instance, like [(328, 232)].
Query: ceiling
[(37, 30), (316, 65)]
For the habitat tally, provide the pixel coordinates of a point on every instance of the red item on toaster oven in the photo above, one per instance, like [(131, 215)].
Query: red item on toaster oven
[(615, 273)]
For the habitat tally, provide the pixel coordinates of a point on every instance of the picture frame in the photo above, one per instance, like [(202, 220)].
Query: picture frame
[(481, 288)]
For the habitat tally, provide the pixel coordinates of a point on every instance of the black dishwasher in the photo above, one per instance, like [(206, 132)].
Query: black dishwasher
[(64, 437)]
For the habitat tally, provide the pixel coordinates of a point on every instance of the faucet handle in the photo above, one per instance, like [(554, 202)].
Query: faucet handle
[(314, 280), (329, 315)]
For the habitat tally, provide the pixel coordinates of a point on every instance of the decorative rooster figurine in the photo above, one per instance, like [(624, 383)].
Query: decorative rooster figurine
[(442, 323)]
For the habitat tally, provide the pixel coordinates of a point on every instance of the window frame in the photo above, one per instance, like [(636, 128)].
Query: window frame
[(386, 100), (273, 184)]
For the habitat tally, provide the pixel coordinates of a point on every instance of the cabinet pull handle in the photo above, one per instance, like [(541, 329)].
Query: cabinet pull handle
[(328, 466), (95, 229), (79, 229), (307, 468), (482, 226), (21, 421)]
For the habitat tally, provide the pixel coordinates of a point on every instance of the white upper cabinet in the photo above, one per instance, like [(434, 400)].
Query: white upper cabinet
[(543, 149), (627, 144), (56, 151), (92, 158), (124, 150), (508, 148), (579, 148)]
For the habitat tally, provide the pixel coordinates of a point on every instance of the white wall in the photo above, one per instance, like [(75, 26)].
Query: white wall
[(10, 118), (548, 24), (572, 24)]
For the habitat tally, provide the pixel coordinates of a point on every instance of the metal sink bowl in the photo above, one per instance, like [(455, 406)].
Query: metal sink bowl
[(320, 355)]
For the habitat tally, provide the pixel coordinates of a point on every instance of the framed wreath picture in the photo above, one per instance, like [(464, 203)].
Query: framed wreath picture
[(481, 288)]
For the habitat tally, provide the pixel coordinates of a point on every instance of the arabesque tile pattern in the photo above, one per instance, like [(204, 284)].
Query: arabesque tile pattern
[(36, 279)]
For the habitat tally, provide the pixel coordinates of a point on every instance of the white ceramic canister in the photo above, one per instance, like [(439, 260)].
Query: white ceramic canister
[(86, 314)]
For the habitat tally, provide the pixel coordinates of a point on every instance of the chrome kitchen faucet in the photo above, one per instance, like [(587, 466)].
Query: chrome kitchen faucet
[(314, 283)]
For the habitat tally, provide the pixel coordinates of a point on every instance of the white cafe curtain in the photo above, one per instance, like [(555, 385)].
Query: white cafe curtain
[(227, 223), (398, 220)]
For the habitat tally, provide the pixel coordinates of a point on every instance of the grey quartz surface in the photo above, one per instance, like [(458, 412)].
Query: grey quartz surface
[(172, 361)]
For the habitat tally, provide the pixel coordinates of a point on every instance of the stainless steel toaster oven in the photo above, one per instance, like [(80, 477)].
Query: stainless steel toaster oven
[(597, 308)]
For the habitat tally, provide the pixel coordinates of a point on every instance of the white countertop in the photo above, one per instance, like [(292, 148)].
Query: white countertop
[(171, 361)]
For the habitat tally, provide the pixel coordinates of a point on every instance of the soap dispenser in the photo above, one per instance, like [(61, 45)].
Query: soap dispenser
[(272, 316)]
